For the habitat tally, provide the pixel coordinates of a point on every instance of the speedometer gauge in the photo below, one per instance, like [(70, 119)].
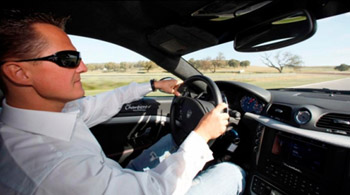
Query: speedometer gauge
[(251, 104), (302, 116)]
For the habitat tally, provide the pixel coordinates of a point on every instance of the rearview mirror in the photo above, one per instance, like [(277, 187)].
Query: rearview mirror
[(279, 31)]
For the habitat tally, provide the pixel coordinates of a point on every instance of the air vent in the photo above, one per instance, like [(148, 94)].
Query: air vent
[(280, 112), (335, 123)]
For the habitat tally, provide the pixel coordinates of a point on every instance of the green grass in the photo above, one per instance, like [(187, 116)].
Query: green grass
[(95, 83), (98, 83), (268, 80), (293, 82)]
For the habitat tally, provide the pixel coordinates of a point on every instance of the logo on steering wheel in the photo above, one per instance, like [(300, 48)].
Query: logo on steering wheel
[(189, 114)]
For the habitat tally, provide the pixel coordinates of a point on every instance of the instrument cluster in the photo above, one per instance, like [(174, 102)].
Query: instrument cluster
[(251, 104)]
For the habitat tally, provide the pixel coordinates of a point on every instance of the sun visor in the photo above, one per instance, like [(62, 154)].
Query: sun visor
[(179, 40)]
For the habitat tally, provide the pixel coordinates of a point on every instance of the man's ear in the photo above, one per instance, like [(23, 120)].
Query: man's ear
[(16, 73)]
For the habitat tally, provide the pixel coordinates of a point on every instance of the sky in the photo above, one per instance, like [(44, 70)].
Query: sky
[(329, 46)]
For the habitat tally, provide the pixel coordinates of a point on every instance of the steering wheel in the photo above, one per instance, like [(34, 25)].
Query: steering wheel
[(186, 111)]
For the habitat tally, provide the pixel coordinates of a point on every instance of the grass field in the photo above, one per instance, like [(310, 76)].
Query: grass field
[(97, 82)]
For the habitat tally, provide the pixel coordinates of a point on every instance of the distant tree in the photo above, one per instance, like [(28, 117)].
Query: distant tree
[(195, 63), (123, 66), (192, 61), (92, 67), (233, 63), (244, 63), (148, 65), (111, 66), (342, 67), (139, 64), (219, 61), (281, 60), (206, 63)]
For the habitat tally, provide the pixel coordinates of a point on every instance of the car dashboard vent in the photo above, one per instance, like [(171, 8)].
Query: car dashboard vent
[(280, 112), (335, 123)]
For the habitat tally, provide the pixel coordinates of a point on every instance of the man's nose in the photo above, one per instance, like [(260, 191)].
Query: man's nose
[(82, 67)]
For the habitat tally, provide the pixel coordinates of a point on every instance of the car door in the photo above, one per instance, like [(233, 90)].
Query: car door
[(137, 126)]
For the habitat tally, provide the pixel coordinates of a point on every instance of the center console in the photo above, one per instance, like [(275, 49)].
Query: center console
[(293, 165)]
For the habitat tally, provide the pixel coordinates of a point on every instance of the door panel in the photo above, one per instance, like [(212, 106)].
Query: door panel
[(137, 126)]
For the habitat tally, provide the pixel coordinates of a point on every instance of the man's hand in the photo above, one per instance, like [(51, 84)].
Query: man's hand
[(169, 86), (214, 123)]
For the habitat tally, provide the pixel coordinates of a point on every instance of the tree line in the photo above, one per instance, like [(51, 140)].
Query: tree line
[(212, 65), (207, 64), (122, 66), (278, 61)]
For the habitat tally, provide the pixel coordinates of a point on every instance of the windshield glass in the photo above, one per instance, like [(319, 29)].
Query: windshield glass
[(322, 61)]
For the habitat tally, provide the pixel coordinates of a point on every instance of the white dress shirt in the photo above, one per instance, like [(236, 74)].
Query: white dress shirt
[(56, 153)]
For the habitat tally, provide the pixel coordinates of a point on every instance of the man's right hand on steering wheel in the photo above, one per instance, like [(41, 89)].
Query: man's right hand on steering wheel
[(214, 123)]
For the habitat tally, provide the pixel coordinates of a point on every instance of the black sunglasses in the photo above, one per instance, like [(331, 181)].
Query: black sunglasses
[(66, 59)]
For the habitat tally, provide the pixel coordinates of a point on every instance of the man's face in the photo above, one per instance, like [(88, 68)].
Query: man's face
[(51, 81)]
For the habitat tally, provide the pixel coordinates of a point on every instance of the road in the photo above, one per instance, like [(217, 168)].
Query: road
[(340, 84)]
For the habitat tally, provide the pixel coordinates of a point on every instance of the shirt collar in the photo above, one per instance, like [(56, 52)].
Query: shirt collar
[(52, 124)]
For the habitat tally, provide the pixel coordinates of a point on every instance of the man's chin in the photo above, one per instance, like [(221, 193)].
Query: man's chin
[(82, 93), (78, 94)]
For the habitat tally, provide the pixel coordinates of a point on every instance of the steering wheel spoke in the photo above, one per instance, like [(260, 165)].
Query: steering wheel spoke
[(188, 110)]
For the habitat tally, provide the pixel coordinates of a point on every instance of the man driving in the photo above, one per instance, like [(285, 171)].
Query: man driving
[(46, 146)]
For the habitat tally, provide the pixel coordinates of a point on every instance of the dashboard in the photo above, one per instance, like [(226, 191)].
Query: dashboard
[(306, 110), (292, 142)]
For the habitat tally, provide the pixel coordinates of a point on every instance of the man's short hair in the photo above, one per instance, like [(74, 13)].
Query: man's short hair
[(18, 38), (17, 35)]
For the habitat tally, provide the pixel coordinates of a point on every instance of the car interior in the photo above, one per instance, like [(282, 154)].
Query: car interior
[(288, 141)]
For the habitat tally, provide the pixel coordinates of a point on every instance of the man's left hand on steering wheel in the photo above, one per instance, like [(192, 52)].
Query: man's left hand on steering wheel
[(170, 85)]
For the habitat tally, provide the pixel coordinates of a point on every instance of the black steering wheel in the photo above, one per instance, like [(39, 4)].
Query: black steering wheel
[(200, 95)]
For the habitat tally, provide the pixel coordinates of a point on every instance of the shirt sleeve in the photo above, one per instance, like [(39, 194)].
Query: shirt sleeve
[(174, 175), (89, 174), (99, 108), (181, 167)]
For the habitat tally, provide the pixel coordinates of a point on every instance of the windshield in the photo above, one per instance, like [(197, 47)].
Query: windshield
[(322, 61)]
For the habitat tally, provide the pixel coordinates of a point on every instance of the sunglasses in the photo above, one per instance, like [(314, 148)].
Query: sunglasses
[(66, 59)]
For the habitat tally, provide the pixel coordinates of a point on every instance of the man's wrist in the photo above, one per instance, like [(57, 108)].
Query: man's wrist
[(205, 138), (152, 81)]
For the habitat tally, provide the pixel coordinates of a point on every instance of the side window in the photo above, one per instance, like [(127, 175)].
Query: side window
[(111, 66)]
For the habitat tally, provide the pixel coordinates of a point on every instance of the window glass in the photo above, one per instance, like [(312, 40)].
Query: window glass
[(111, 66)]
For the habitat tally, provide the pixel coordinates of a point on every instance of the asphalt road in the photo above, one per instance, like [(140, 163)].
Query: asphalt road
[(340, 84)]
